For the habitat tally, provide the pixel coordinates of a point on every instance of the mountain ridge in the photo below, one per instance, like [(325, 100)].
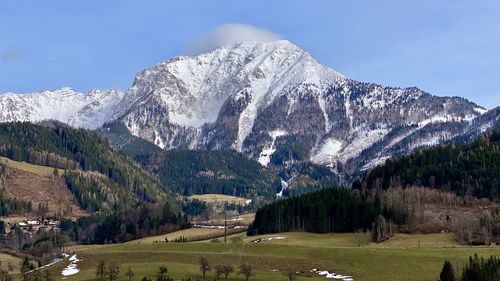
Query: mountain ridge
[(88, 110), (276, 103)]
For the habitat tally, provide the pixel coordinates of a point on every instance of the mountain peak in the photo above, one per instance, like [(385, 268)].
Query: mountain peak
[(197, 86)]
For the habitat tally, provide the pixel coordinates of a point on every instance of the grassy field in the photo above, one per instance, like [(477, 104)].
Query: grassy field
[(246, 219), (9, 259), (39, 170), (351, 254), (219, 199), (191, 234)]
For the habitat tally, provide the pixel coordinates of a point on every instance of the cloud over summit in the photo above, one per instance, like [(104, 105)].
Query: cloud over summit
[(229, 34)]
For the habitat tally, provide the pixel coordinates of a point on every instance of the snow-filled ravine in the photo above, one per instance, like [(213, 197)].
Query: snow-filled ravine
[(72, 268), (284, 186), (332, 275), (267, 151)]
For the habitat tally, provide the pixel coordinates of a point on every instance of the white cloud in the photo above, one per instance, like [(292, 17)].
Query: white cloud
[(229, 34)]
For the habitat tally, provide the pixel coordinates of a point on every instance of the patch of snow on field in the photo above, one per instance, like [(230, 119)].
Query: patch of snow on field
[(332, 275), (264, 239), (219, 226), (72, 268)]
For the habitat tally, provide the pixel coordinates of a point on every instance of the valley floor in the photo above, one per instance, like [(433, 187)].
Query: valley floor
[(404, 257)]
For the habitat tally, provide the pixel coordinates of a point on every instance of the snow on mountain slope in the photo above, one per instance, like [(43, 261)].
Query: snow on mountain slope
[(87, 110), (239, 96), (193, 90), (267, 152)]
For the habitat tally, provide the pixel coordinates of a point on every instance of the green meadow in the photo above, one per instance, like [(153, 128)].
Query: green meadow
[(404, 257), (37, 169)]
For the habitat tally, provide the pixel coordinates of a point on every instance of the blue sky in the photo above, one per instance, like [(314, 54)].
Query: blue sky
[(447, 47)]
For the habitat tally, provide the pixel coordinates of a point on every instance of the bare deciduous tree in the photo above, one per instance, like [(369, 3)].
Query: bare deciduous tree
[(219, 270), (204, 266), (100, 271), (292, 275), (246, 270), (113, 271), (227, 270)]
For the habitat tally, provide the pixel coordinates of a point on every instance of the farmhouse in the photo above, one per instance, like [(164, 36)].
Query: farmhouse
[(36, 224)]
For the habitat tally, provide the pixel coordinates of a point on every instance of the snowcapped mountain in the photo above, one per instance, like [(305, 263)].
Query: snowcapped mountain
[(187, 93), (87, 110), (276, 103), (270, 101)]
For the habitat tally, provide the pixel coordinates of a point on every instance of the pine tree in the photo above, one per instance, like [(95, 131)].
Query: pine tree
[(447, 273)]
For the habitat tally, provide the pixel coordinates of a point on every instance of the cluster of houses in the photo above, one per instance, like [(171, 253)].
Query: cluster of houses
[(34, 225)]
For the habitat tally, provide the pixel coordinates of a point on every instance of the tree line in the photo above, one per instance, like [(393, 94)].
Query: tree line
[(477, 268), (143, 219), (111, 271), (327, 210)]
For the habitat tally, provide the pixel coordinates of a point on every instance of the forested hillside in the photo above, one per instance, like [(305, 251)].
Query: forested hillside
[(467, 170), (199, 172), (121, 139), (190, 171), (98, 176)]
